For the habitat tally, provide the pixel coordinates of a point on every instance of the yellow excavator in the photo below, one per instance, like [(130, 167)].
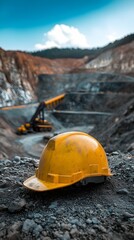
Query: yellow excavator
[(37, 122)]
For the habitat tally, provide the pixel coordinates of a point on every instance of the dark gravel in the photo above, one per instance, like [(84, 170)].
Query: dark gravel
[(96, 211)]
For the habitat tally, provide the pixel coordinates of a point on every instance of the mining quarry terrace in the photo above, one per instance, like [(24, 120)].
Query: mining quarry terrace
[(98, 100), (94, 211)]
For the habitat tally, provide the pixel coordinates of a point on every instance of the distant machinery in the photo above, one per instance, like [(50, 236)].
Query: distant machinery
[(38, 123)]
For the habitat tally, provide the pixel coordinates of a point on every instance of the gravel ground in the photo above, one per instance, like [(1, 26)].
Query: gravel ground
[(95, 211)]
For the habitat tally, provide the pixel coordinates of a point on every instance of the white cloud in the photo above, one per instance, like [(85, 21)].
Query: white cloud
[(63, 36), (112, 37)]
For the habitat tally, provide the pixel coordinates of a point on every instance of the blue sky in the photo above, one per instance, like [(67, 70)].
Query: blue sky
[(40, 24)]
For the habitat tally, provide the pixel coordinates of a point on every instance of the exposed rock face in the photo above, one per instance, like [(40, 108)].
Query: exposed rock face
[(19, 75), (15, 80), (117, 60), (90, 82), (19, 71)]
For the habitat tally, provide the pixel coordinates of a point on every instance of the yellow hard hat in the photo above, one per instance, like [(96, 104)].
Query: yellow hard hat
[(69, 158)]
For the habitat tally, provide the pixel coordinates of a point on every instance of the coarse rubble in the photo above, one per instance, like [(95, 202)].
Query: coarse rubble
[(101, 211)]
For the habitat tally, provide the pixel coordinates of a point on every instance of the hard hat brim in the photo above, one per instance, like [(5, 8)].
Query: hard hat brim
[(33, 183)]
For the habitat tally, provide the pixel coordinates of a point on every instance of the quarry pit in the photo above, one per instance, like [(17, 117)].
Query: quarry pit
[(101, 211)]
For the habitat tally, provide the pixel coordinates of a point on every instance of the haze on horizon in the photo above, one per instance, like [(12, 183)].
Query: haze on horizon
[(34, 25)]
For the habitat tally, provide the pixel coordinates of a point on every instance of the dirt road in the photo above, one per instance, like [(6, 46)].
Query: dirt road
[(33, 144)]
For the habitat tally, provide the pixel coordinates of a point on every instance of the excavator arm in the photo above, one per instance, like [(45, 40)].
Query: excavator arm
[(37, 122), (39, 112)]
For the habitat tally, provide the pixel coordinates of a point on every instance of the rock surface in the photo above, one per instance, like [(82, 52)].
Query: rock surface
[(19, 75), (118, 60), (76, 212), (102, 211), (19, 71)]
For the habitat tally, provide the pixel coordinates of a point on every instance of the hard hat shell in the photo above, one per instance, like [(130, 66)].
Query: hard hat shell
[(68, 158)]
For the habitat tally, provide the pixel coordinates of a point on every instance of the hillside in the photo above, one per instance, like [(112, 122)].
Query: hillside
[(19, 75), (117, 60), (99, 100), (80, 53), (19, 71)]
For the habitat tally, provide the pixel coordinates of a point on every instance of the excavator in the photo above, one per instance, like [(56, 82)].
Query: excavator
[(37, 122)]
